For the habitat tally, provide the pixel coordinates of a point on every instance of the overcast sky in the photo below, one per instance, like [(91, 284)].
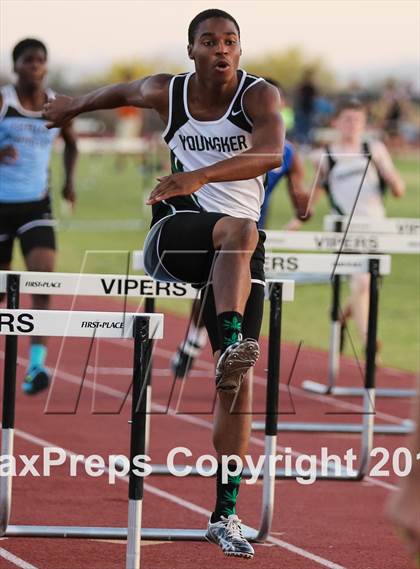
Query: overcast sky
[(354, 36)]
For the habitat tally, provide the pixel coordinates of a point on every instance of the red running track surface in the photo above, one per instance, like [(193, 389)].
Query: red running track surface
[(326, 524)]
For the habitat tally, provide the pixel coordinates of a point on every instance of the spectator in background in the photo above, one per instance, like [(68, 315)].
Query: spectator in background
[(286, 110), (306, 95), (128, 127), (393, 104)]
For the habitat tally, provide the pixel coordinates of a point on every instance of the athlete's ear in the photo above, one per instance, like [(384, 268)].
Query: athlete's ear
[(189, 50)]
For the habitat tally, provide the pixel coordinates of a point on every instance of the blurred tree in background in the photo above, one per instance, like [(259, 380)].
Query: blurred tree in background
[(130, 70), (289, 66)]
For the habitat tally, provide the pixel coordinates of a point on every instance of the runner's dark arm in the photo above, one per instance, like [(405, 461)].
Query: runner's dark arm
[(147, 93), (295, 183), (70, 158), (8, 153)]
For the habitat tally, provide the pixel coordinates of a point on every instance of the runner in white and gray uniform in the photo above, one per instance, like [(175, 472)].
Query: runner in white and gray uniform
[(355, 173), (225, 133)]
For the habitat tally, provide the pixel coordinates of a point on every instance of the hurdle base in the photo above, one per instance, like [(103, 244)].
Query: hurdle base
[(152, 534), (404, 428), (321, 389)]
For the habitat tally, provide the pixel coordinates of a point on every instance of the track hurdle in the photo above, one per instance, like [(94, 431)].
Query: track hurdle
[(339, 266), (369, 242), (136, 286), (405, 235), (287, 265), (386, 225), (375, 265), (141, 328)]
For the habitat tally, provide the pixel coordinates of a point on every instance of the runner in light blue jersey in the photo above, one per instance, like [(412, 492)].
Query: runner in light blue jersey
[(25, 208)]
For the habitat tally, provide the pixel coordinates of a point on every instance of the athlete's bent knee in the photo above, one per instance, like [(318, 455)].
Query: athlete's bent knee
[(236, 234)]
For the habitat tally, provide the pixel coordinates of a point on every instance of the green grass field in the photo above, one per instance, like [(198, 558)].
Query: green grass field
[(106, 194)]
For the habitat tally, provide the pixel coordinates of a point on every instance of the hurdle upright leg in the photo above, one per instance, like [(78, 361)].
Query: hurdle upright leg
[(370, 370), (149, 308), (268, 475), (138, 439), (9, 404), (272, 397), (367, 426)]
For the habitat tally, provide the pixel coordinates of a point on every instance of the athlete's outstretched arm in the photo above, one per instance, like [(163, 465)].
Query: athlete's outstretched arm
[(261, 105), (148, 93)]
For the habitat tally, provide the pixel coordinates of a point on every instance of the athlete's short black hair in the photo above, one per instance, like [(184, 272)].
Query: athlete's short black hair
[(28, 43), (206, 15), (349, 104)]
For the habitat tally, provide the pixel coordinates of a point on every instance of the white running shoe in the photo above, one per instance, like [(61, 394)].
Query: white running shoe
[(227, 534)]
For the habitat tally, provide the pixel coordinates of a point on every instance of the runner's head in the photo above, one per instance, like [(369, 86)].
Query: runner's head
[(30, 61), (350, 119), (214, 44)]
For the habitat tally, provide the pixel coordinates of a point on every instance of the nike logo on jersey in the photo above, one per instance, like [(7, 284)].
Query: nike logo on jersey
[(236, 113), (200, 143)]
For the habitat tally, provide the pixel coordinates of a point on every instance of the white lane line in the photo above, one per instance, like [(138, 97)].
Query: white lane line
[(303, 553), (187, 505), (16, 560), (106, 370), (71, 378)]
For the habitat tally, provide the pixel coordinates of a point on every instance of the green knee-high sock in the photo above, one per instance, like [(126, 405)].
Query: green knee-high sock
[(230, 328), (227, 495)]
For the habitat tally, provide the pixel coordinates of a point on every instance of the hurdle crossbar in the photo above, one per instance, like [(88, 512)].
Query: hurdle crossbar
[(279, 266), (16, 322), (361, 231), (349, 243), (277, 291), (289, 265), (142, 328), (387, 225), (364, 235), (86, 284)]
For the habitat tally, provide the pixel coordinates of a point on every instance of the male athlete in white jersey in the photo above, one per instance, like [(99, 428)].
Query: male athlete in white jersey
[(354, 174), (224, 132)]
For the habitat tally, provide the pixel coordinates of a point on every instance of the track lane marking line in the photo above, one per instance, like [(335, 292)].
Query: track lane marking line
[(16, 560), (260, 381), (187, 505), (71, 378)]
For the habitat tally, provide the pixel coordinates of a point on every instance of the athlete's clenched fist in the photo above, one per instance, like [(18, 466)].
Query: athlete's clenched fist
[(58, 111)]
